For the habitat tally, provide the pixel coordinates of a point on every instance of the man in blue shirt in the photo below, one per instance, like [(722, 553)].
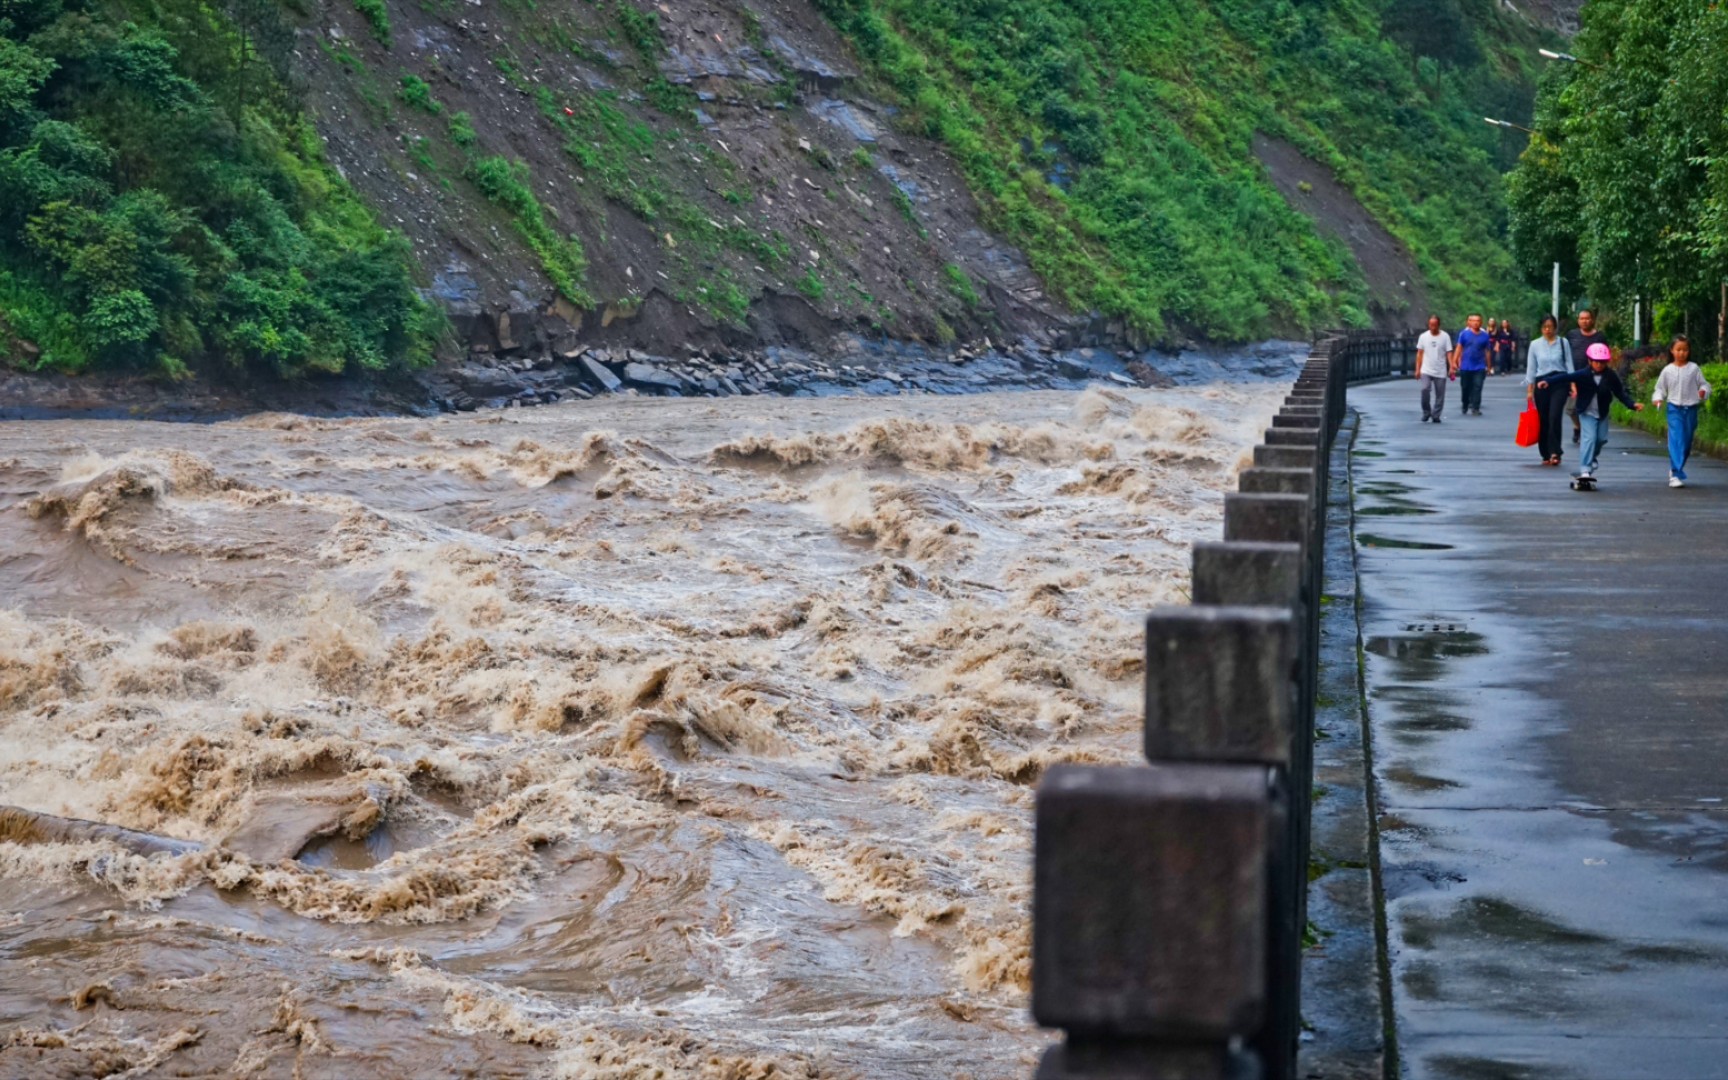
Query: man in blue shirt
[(1470, 360)]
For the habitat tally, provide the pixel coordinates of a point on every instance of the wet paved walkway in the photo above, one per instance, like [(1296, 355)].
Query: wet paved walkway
[(1548, 690)]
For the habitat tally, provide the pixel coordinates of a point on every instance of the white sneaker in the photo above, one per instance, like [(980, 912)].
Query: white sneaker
[(1675, 481)]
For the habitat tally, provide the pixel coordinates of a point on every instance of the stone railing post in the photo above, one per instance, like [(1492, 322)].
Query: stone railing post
[(1170, 898)]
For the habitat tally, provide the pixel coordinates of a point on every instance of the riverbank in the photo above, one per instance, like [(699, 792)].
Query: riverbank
[(524, 378)]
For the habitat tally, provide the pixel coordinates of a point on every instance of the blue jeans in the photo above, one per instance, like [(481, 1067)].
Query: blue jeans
[(1470, 382), (1593, 438), (1682, 425)]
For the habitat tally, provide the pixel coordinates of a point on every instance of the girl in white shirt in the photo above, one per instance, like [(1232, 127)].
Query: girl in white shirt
[(1681, 385)]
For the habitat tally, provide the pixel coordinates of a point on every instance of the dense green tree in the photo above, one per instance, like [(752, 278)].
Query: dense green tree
[(164, 203), (1628, 180)]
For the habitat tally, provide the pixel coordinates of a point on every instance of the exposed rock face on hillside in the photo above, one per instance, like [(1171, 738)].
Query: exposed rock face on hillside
[(1561, 15), (726, 177)]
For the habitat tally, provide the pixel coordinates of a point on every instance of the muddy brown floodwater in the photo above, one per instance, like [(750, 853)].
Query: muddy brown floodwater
[(636, 739)]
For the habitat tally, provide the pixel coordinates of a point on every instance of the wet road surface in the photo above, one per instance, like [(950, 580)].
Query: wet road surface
[(1546, 679)]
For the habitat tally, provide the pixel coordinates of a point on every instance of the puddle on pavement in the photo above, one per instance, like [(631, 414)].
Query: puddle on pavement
[(1385, 488), (1427, 646), (1373, 541), (1368, 453), (1410, 778), (1392, 823), (1432, 724), (1493, 918), (1394, 511), (1464, 1067)]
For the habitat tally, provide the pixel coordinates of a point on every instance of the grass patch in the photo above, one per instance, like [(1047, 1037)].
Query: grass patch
[(903, 203), (811, 286), (961, 285), (641, 29), (505, 183), (678, 102)]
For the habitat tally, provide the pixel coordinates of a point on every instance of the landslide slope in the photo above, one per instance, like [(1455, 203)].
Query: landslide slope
[(738, 172), (718, 165)]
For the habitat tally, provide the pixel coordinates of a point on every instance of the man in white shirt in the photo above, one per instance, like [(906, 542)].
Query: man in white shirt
[(1433, 368)]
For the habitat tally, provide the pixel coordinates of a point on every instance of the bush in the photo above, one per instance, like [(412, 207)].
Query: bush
[(376, 17), (418, 95), (462, 129)]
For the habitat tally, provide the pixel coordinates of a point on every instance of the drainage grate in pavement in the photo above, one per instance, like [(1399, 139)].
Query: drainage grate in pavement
[(1435, 628)]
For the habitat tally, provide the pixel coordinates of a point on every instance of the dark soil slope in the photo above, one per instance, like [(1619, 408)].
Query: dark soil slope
[(725, 176)]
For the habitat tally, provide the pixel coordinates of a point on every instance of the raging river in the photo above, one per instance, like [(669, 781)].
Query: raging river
[(623, 739)]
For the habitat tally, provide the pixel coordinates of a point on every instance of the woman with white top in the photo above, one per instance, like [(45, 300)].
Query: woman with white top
[(1681, 385), (1548, 355)]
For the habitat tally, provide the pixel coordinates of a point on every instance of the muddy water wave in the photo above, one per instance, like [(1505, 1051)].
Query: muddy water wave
[(682, 739)]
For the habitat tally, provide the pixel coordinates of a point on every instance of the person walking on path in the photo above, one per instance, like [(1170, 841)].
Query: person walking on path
[(1580, 338), (1682, 388), (1470, 361), (1505, 348), (1549, 355), (1596, 387), (1433, 368)]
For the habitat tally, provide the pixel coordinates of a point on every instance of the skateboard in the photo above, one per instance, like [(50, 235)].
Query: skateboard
[(1583, 483)]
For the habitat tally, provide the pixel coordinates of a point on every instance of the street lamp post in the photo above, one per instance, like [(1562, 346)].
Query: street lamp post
[(1507, 124), (1527, 131), (1567, 58)]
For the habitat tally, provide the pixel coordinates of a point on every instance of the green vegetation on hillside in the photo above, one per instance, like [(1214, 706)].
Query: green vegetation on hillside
[(1113, 140), (165, 205), (1626, 184)]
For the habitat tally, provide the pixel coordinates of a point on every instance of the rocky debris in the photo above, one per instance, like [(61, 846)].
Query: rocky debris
[(848, 118), (1148, 376), (812, 71), (851, 365), (600, 374), (539, 373), (649, 377)]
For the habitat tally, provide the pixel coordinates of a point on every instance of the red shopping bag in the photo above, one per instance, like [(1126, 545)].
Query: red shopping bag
[(1529, 428)]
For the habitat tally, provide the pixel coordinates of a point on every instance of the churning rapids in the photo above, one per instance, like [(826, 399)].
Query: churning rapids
[(636, 739)]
